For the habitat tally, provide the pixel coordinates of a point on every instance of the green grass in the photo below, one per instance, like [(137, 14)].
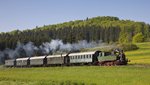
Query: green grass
[(84, 75), (140, 56), (136, 73)]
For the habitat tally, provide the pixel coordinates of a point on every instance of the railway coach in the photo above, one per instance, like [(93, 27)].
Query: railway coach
[(38, 61), (84, 58), (55, 60), (10, 63), (22, 62)]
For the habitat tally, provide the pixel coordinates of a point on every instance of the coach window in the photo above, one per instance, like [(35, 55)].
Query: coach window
[(90, 56), (87, 56), (100, 54)]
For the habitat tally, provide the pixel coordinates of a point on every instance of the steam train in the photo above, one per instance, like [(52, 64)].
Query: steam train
[(117, 57)]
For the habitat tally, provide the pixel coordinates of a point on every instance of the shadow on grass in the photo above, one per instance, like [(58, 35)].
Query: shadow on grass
[(6, 81), (139, 65), (63, 83)]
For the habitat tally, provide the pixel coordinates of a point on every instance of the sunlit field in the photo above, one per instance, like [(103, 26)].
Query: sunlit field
[(83, 75), (136, 73), (140, 56)]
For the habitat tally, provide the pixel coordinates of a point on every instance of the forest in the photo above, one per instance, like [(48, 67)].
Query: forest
[(106, 28)]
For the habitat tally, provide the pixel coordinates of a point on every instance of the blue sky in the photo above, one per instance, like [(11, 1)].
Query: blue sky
[(27, 14)]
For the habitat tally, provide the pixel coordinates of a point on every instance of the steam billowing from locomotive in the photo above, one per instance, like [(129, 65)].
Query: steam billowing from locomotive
[(29, 49)]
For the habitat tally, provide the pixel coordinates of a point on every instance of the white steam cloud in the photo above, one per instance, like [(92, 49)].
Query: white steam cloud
[(29, 49)]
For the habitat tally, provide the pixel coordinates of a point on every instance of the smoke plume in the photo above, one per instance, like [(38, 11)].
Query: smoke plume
[(29, 49)]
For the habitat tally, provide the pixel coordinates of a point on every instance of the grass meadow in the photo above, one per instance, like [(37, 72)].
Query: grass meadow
[(136, 73), (140, 56)]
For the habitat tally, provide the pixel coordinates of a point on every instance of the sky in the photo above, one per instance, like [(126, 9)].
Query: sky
[(27, 14)]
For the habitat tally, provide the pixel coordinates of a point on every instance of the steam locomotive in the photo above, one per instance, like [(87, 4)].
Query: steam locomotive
[(117, 57)]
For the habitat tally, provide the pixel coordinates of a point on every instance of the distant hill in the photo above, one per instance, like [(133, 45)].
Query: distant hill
[(108, 29)]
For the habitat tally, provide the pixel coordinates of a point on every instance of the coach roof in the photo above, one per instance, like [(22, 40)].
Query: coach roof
[(37, 57), (22, 58), (83, 53), (61, 55)]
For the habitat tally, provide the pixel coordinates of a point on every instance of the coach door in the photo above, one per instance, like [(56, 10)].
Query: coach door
[(95, 57), (66, 60)]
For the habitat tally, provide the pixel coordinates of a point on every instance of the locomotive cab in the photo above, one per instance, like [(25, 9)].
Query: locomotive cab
[(106, 56)]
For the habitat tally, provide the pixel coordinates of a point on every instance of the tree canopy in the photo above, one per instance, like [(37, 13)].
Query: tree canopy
[(138, 38), (106, 28)]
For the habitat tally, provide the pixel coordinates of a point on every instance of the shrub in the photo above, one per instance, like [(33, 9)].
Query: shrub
[(138, 38), (128, 46)]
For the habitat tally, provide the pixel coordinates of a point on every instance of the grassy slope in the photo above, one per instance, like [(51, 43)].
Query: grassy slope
[(83, 75), (140, 56)]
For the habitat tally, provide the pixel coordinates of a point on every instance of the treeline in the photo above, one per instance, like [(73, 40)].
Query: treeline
[(108, 29)]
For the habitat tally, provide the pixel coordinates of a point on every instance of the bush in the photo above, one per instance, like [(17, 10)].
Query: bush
[(138, 38), (128, 46)]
